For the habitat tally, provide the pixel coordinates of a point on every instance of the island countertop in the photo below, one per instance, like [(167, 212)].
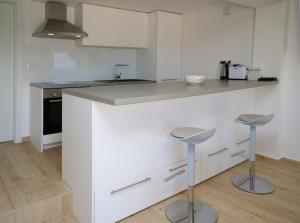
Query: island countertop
[(132, 94)]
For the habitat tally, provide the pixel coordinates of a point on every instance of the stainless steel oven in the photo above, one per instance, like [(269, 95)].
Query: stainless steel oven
[(52, 109)]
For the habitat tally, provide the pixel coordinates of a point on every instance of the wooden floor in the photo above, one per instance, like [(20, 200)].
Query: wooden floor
[(27, 177), (30, 183), (235, 206)]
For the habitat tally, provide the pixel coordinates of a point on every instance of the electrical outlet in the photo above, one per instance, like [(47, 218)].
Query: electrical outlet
[(31, 67)]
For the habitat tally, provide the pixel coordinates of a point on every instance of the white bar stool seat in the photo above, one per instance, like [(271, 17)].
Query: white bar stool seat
[(190, 211), (251, 183)]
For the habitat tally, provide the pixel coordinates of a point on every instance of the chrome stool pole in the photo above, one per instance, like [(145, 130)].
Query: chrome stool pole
[(252, 183), (191, 211)]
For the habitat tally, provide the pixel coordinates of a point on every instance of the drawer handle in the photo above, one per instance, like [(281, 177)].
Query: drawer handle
[(131, 185), (176, 168), (215, 153), (243, 141), (174, 175), (170, 79), (55, 100), (238, 153)]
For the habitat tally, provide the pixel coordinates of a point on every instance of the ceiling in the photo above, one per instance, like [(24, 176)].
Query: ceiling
[(253, 3), (179, 6), (147, 5)]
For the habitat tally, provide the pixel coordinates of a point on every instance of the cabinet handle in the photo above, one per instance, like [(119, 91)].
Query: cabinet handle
[(176, 168), (170, 79), (55, 101), (215, 153), (238, 153), (174, 175), (243, 141), (131, 185)]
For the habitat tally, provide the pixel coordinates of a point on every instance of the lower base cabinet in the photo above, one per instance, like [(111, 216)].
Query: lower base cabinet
[(239, 152), (125, 199), (172, 179), (131, 196), (214, 162)]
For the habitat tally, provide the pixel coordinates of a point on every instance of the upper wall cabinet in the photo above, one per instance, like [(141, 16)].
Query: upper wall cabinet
[(161, 61), (109, 27), (253, 3), (169, 37), (132, 29)]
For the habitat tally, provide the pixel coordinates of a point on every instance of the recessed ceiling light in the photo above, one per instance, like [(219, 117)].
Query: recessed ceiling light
[(78, 36), (51, 34)]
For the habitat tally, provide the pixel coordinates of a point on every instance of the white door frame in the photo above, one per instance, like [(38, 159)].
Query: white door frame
[(17, 73)]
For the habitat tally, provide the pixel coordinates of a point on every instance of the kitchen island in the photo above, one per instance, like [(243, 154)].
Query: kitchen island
[(115, 153)]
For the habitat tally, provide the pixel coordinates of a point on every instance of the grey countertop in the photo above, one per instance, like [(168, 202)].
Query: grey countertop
[(57, 85), (82, 84), (132, 94)]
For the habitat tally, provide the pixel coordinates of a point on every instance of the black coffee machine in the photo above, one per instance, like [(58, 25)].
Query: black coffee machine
[(224, 71)]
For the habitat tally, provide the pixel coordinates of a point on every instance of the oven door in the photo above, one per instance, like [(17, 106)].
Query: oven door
[(52, 115)]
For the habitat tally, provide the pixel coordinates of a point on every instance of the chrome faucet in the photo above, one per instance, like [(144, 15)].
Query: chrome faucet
[(118, 70)]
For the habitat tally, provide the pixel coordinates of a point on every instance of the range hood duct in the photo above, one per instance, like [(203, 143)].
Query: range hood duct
[(56, 24)]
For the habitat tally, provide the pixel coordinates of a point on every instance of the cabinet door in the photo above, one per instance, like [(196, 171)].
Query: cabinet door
[(132, 29), (121, 200), (169, 184), (169, 35), (214, 162), (101, 25), (239, 152)]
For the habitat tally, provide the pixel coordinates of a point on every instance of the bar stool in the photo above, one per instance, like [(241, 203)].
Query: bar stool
[(251, 183), (189, 211)]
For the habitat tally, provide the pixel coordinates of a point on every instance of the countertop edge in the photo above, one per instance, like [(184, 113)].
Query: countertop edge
[(137, 100)]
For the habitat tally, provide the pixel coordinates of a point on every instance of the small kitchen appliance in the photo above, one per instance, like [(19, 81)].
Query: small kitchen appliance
[(238, 72), (224, 72)]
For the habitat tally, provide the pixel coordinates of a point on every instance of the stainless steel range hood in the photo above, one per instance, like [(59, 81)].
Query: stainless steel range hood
[(56, 24)]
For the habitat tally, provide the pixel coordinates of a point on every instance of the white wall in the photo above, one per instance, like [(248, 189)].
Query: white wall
[(291, 82), (52, 59), (209, 37), (277, 51), (269, 48), (7, 71)]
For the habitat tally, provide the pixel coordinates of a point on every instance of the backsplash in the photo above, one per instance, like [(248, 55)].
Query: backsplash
[(60, 60), (55, 59)]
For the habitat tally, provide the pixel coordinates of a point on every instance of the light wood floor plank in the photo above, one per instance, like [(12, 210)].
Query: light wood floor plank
[(234, 205), (29, 176), (5, 203)]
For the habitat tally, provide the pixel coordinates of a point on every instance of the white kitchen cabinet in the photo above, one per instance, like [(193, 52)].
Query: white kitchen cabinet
[(132, 29), (120, 147), (239, 152), (214, 162), (169, 184), (169, 34), (125, 198), (110, 27), (36, 117), (161, 61), (100, 23)]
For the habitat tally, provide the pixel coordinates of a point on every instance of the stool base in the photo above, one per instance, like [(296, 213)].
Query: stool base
[(177, 212), (261, 186)]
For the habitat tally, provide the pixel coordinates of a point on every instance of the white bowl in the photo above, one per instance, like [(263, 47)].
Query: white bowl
[(194, 79)]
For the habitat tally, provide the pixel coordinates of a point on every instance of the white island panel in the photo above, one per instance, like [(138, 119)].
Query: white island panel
[(116, 158)]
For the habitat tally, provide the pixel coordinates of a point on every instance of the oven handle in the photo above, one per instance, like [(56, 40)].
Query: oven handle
[(55, 101)]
